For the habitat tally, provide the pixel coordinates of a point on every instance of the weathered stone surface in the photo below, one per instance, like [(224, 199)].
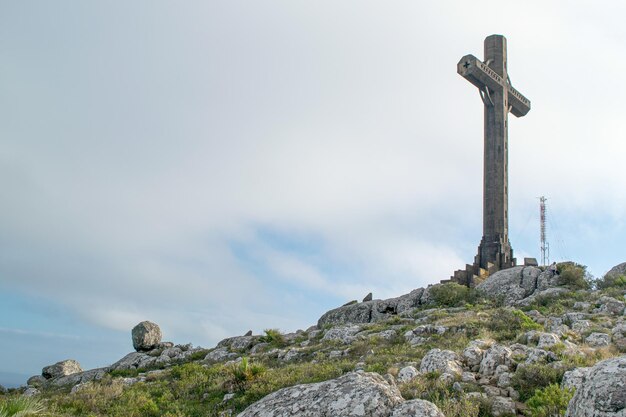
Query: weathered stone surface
[(36, 381), (598, 339), (513, 284), (407, 374), (417, 408), (31, 392), (443, 361), (603, 391), (503, 406), (79, 378), (547, 340), (134, 360), (617, 270), (495, 356), (345, 334), (575, 378), (372, 311), (610, 305), (146, 336), (239, 343), (353, 394), (368, 297), (59, 369)]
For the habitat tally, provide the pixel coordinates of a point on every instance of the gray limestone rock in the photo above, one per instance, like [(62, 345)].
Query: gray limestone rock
[(602, 392), (353, 394), (417, 408), (547, 340), (443, 361), (512, 284), (134, 360), (59, 369), (598, 339), (610, 305), (79, 377), (407, 374), (36, 381), (220, 355), (31, 392), (617, 270), (368, 297), (575, 378), (503, 406), (495, 356), (240, 343), (344, 334), (375, 310), (146, 336)]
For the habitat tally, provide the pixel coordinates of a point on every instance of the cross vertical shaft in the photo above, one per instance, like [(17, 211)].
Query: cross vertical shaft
[(494, 246)]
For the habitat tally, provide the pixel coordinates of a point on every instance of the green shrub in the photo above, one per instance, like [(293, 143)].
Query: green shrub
[(452, 294), (575, 275), (551, 401), (22, 407), (529, 378), (274, 337), (243, 374), (611, 281), (508, 323)]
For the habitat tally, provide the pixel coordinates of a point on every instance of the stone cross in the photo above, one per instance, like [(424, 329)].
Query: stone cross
[(499, 98)]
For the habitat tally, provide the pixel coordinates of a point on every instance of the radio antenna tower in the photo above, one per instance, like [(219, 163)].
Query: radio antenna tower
[(545, 247)]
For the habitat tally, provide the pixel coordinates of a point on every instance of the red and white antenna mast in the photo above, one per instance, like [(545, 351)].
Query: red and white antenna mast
[(545, 247)]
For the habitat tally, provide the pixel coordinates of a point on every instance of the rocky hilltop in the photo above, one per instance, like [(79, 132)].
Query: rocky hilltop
[(525, 342)]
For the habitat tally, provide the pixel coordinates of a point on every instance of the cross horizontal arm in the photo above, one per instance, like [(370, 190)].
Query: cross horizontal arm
[(479, 74), (520, 105)]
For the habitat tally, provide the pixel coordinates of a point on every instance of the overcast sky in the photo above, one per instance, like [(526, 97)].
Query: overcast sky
[(220, 166)]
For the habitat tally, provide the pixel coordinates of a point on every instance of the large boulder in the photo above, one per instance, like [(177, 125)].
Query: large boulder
[(146, 336), (513, 284), (353, 394), (495, 356), (602, 392), (443, 361), (375, 310), (59, 369)]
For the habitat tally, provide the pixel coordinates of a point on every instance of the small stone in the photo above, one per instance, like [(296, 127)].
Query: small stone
[(228, 396), (407, 374), (146, 336), (468, 377), (30, 392), (368, 297), (248, 333)]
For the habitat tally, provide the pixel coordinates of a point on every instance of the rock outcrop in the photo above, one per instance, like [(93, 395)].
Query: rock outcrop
[(602, 392), (353, 394), (617, 270), (517, 283), (374, 310), (146, 336)]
